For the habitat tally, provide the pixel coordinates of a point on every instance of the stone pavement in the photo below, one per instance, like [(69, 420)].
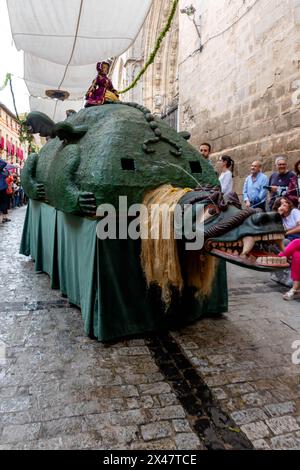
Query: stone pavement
[(225, 383)]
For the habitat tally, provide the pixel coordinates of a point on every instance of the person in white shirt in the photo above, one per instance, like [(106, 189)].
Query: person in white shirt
[(226, 175), (291, 222)]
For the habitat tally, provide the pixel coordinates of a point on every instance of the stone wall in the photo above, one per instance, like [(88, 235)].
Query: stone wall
[(241, 90), (237, 85)]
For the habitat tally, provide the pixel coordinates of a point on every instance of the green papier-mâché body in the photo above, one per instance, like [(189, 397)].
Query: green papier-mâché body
[(112, 150), (121, 149)]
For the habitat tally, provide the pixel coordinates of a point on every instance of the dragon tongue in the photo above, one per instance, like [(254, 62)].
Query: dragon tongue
[(248, 244)]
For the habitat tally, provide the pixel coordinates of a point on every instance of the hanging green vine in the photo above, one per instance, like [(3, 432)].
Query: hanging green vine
[(156, 48), (6, 80)]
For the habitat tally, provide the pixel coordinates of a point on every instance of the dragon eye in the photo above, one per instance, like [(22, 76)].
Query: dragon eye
[(128, 164), (195, 167)]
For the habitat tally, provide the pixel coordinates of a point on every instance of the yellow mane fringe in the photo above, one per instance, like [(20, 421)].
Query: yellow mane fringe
[(159, 257)]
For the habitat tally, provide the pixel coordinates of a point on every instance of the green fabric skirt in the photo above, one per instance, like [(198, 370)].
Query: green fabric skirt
[(104, 277)]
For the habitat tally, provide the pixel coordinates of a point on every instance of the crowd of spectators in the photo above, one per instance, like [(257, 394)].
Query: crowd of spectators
[(279, 192), (11, 192)]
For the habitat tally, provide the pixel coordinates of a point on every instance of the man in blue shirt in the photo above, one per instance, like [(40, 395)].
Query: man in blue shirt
[(254, 192)]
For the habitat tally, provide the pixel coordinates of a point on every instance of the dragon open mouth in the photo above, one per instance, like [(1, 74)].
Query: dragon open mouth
[(257, 252)]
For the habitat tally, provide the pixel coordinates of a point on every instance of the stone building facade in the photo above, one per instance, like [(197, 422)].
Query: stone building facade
[(158, 88), (11, 149), (232, 68)]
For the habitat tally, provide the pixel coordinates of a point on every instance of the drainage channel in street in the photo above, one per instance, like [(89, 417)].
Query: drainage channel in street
[(213, 426)]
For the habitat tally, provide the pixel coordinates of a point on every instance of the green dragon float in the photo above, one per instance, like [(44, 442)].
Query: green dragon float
[(126, 286)]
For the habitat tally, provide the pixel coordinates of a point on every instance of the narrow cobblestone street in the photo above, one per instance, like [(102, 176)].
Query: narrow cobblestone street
[(220, 383)]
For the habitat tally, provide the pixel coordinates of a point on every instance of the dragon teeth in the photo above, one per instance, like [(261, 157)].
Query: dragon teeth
[(248, 244), (270, 236), (271, 260)]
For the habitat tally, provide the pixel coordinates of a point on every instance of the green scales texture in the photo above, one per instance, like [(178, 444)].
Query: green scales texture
[(113, 150)]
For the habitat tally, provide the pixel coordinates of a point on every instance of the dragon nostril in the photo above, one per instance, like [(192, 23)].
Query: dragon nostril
[(277, 217), (263, 218)]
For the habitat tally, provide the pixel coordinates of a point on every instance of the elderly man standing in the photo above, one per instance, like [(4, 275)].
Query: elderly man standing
[(280, 180), (255, 192)]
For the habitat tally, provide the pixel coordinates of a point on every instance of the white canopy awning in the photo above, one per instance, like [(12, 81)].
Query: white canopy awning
[(55, 109), (41, 75), (63, 40)]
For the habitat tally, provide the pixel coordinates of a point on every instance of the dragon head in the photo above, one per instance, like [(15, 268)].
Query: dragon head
[(246, 237)]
